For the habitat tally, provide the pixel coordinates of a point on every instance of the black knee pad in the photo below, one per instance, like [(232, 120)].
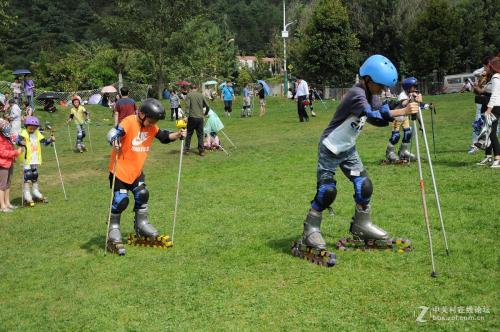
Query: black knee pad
[(326, 193), (363, 189), (34, 176), (141, 196), (120, 201), (28, 175)]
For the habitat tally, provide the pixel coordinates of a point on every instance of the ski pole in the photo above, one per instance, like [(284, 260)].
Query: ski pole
[(69, 138), (180, 124), (434, 182), (424, 203), (59, 169), (222, 131), (90, 140), (433, 111), (111, 199)]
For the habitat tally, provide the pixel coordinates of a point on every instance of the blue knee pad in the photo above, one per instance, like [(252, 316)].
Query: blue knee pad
[(120, 201), (363, 189), (394, 137), (325, 195), (406, 135), (141, 196)]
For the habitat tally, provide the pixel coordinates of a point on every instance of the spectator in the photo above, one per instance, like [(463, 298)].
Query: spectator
[(302, 91), (8, 156), (174, 105), (29, 87), (166, 94), (105, 100), (262, 100), (16, 90), (124, 107), (14, 115), (246, 102), (482, 91), (195, 102), (49, 106), (467, 86), (228, 97), (289, 94), (493, 107)]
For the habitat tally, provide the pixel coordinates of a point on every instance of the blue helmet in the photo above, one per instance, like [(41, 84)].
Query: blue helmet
[(380, 69), (409, 82)]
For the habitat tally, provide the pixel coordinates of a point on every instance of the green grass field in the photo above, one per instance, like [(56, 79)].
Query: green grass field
[(231, 267)]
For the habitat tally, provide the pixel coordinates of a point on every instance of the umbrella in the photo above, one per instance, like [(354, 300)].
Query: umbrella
[(210, 83), (182, 83), (108, 89), (267, 90), (95, 99), (21, 72), (48, 95)]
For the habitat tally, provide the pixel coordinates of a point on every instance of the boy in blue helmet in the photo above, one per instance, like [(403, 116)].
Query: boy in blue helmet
[(337, 148), (409, 92)]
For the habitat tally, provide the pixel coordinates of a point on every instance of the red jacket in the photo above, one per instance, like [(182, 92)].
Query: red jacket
[(7, 152)]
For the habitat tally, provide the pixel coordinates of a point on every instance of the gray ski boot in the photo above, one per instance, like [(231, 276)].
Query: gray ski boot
[(363, 228), (37, 195), (368, 236), (142, 226), (115, 242), (145, 233), (390, 154), (311, 236), (27, 194), (404, 153), (312, 246)]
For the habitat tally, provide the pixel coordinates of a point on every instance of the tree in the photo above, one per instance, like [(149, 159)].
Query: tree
[(206, 54), (327, 50), (432, 40), (147, 26)]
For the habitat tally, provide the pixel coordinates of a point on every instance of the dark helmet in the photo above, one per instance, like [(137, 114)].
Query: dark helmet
[(409, 82), (152, 109)]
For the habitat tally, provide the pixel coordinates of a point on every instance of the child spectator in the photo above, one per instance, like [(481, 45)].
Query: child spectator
[(8, 155)]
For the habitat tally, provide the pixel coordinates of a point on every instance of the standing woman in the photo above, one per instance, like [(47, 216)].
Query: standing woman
[(262, 100), (493, 107)]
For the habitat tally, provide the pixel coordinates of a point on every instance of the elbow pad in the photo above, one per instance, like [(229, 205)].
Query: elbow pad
[(114, 134), (380, 118), (164, 136)]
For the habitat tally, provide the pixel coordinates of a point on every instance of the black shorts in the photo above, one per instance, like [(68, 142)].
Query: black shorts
[(122, 185)]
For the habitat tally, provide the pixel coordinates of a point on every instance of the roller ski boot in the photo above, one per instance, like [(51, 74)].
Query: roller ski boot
[(27, 198), (391, 157), (115, 242), (312, 246), (368, 236), (405, 154), (37, 195), (145, 233)]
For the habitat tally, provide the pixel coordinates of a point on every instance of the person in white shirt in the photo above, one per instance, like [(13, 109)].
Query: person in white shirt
[(15, 116), (493, 107), (302, 91)]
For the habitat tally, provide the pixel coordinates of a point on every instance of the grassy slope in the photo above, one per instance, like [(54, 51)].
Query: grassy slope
[(231, 267)]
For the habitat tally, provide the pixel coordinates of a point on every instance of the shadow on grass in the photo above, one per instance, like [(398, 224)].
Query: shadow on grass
[(94, 245), (282, 245)]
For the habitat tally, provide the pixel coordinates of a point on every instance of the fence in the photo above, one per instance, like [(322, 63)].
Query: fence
[(137, 91)]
